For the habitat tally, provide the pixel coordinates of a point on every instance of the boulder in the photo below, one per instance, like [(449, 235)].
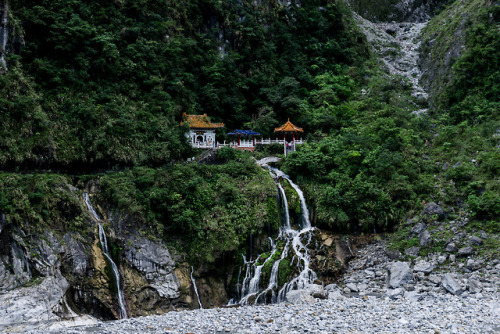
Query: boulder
[(442, 259), (475, 240), (412, 251), (474, 286), (328, 242), (336, 295), (412, 296), (393, 254), (451, 247), (395, 293), (299, 297), (399, 274), (29, 305), (352, 287), (424, 267), (316, 291), (474, 264), (432, 209), (419, 228), (332, 288), (307, 294), (465, 251), (425, 238), (451, 285), (435, 279)]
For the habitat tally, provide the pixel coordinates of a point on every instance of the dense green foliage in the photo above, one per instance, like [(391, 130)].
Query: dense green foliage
[(378, 164), (474, 94), (209, 209), (109, 80), (368, 172), (103, 84), (38, 201), (206, 210)]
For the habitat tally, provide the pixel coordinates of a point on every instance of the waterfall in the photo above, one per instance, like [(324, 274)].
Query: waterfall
[(4, 33), (195, 288), (105, 250), (285, 204), (292, 241)]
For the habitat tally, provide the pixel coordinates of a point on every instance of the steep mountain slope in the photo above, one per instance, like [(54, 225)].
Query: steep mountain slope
[(103, 84), (100, 86)]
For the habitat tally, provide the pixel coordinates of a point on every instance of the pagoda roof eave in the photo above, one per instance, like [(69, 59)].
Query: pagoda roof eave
[(200, 122), (288, 127)]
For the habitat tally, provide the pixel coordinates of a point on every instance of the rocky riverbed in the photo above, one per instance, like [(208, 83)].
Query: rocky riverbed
[(378, 294), (418, 313)]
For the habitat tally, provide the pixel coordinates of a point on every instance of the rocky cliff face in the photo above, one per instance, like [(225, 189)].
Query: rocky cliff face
[(396, 10), (443, 42), (60, 275)]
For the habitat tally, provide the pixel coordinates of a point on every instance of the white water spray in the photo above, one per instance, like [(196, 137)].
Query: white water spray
[(293, 241), (105, 250)]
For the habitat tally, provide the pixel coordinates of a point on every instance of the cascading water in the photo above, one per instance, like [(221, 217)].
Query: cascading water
[(292, 239), (104, 247), (195, 288)]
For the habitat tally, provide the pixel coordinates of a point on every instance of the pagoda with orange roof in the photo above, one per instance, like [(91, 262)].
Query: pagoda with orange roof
[(201, 130), (289, 129)]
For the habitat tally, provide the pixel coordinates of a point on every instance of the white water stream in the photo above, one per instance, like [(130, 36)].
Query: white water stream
[(195, 288), (293, 240), (105, 250)]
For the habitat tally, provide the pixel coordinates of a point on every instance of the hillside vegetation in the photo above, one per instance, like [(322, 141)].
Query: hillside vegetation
[(101, 86)]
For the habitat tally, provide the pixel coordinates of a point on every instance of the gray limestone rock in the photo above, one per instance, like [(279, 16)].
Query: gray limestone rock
[(451, 247), (33, 304), (474, 264), (418, 228), (412, 251), (435, 279), (399, 274), (332, 287), (395, 293), (299, 297), (425, 238), (451, 285), (465, 251), (155, 262), (7, 280), (474, 286), (424, 267), (316, 291), (352, 287), (475, 240), (393, 254), (442, 259), (76, 251), (412, 296), (432, 209)]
